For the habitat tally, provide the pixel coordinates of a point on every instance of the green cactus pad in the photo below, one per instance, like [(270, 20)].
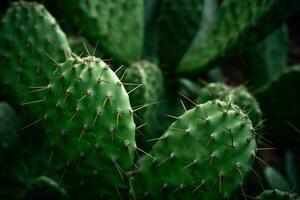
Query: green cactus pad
[(239, 96), (179, 23), (8, 128), (205, 154), (277, 195), (279, 100), (45, 188), (89, 124), (237, 25), (116, 25), (29, 37), (268, 58), (151, 90)]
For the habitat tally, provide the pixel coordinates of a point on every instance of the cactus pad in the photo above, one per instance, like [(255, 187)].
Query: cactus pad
[(205, 154), (116, 25), (30, 38)]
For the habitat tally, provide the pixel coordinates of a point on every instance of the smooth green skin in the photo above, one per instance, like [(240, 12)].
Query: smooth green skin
[(8, 127), (237, 25), (45, 188), (117, 25), (211, 144), (277, 195), (279, 100), (89, 125), (29, 38), (151, 91), (268, 58), (239, 96), (275, 179), (179, 22)]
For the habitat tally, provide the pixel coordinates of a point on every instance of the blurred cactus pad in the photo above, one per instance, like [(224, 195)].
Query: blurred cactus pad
[(149, 99)]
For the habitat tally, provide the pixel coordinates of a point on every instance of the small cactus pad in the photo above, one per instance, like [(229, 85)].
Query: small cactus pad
[(89, 123), (236, 26), (150, 77), (279, 99), (116, 25), (205, 154), (8, 127), (239, 96), (277, 195), (30, 38), (45, 188)]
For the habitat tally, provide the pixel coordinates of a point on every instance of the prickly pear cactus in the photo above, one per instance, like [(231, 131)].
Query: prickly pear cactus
[(239, 96), (237, 25), (279, 100), (89, 124), (268, 58), (205, 154), (178, 24), (145, 81), (8, 128), (277, 195), (45, 188), (30, 39), (116, 25)]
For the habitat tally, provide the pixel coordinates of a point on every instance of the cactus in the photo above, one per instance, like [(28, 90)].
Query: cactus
[(8, 128), (45, 188), (95, 133), (275, 179), (178, 25), (237, 25), (268, 58), (31, 37), (190, 160), (277, 195), (284, 120), (117, 25), (239, 96), (150, 79)]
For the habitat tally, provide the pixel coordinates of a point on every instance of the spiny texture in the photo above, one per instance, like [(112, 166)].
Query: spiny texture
[(117, 25), (145, 80), (277, 195), (89, 124), (45, 188), (29, 37), (279, 100), (178, 24), (237, 25), (205, 154), (8, 128), (268, 58), (239, 96)]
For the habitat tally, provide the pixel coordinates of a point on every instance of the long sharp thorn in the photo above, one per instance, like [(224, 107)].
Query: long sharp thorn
[(183, 106), (195, 104), (135, 88)]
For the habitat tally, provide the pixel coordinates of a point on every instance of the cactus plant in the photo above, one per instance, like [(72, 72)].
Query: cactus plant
[(277, 195), (239, 96), (268, 58), (8, 128), (80, 124), (235, 27), (31, 38), (119, 35), (45, 188), (189, 159), (284, 120), (145, 80)]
